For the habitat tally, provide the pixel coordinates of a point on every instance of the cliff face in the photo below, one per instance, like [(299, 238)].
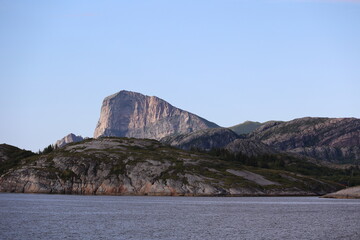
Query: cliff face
[(331, 139), (122, 166), (130, 114)]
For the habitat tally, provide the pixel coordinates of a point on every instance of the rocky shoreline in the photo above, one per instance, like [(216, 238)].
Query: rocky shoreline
[(347, 193)]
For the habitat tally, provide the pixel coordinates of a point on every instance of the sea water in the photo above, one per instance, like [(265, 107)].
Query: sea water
[(41, 216)]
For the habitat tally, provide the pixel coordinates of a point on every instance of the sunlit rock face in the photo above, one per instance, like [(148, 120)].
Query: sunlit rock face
[(131, 114)]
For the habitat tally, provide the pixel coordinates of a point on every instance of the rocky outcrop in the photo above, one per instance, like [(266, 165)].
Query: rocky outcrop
[(330, 139), (70, 138), (123, 166), (351, 192), (130, 114), (204, 140)]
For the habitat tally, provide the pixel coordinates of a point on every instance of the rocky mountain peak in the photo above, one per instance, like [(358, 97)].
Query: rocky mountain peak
[(70, 138), (131, 114)]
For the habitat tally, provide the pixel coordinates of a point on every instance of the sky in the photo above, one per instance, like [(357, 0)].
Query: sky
[(225, 60)]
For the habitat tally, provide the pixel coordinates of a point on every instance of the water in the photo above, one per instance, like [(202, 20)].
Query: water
[(32, 216)]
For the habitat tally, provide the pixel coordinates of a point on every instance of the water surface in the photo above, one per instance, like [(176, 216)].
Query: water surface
[(40, 216)]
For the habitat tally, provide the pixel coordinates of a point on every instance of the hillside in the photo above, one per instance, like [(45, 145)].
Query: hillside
[(331, 139), (127, 166), (245, 127)]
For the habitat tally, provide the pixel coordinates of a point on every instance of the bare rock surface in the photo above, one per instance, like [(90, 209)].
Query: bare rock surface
[(258, 179), (70, 138), (131, 114), (351, 192)]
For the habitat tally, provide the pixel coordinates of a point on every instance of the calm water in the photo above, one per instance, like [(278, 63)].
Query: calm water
[(30, 216)]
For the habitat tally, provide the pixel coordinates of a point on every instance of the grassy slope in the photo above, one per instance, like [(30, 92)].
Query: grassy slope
[(245, 127)]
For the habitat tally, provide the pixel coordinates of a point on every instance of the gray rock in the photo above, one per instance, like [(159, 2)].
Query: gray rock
[(205, 140), (249, 148), (70, 138), (351, 192), (330, 139), (130, 114)]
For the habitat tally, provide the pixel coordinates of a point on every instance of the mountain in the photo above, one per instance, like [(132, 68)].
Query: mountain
[(331, 139), (131, 114), (245, 127), (70, 138), (205, 140), (128, 166)]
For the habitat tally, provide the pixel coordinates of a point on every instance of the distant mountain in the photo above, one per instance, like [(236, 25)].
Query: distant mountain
[(131, 114), (70, 138), (245, 127), (331, 139), (205, 140)]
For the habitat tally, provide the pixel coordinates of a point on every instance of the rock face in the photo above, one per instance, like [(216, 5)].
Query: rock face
[(203, 140), (330, 139), (352, 192), (130, 114), (68, 139), (123, 166)]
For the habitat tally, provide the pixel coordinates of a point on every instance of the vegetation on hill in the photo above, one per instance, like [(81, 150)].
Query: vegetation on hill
[(245, 127), (11, 156), (301, 165)]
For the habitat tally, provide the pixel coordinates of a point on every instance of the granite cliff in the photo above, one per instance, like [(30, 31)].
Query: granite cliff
[(128, 166), (131, 114)]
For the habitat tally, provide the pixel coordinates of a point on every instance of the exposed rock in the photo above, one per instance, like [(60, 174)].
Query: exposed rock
[(68, 139), (331, 139), (206, 139), (258, 179), (351, 192), (249, 148), (122, 166), (130, 114)]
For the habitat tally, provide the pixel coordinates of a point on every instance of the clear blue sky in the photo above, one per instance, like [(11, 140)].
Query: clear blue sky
[(225, 60)]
